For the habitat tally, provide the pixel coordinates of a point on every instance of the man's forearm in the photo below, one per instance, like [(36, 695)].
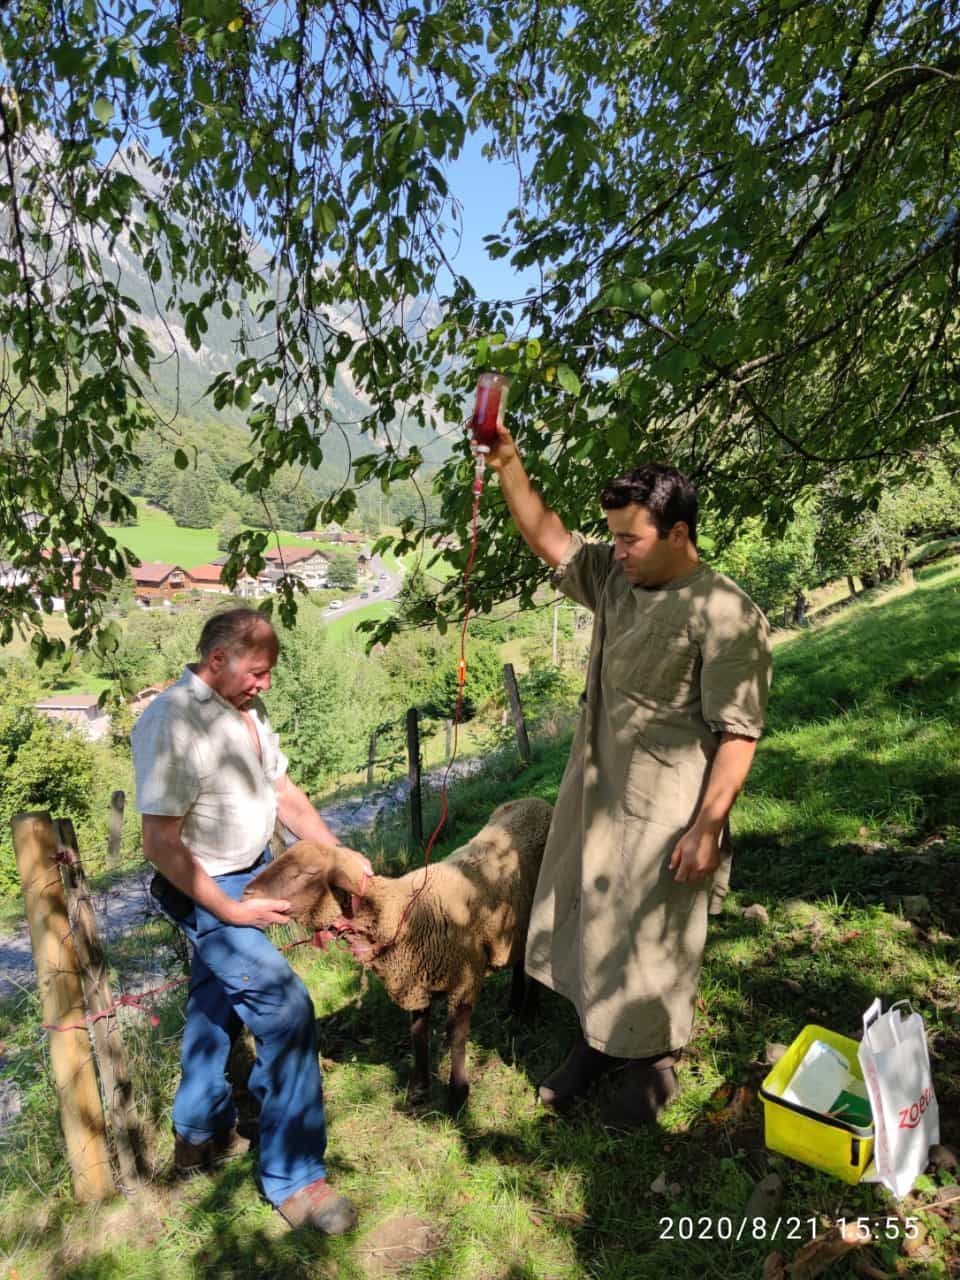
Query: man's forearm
[(542, 529), (728, 773), (299, 816), (177, 864)]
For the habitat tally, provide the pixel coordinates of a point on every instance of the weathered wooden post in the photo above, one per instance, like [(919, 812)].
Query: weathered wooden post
[(516, 711), (448, 731), (117, 802), (108, 1041), (413, 773), (555, 648), (61, 1002), (371, 757)]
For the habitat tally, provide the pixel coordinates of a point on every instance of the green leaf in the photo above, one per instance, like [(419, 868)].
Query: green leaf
[(568, 379), (180, 460), (103, 110)]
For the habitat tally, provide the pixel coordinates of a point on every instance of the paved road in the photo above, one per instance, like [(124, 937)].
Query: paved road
[(388, 582)]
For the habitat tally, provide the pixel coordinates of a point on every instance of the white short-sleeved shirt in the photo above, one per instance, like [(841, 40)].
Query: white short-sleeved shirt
[(194, 759)]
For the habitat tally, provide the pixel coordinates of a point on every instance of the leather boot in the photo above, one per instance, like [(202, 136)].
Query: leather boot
[(318, 1206), (581, 1068), (642, 1089), (201, 1157)]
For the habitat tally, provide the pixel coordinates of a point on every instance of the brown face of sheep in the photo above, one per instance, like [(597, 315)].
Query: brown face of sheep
[(301, 876)]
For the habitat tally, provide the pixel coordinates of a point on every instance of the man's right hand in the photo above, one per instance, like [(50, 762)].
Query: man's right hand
[(504, 451), (259, 912)]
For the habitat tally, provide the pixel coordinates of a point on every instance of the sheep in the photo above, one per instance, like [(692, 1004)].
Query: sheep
[(435, 930)]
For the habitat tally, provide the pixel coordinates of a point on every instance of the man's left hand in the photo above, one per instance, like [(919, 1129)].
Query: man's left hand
[(696, 855), (360, 870)]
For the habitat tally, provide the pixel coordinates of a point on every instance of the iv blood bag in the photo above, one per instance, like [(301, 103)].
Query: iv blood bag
[(488, 408)]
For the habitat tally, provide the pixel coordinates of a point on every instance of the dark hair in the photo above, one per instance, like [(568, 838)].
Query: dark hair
[(237, 631), (665, 492)]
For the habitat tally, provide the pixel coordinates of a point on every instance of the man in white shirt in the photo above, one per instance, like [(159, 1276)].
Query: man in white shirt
[(211, 780)]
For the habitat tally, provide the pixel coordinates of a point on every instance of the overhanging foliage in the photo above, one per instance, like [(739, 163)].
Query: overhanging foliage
[(744, 218)]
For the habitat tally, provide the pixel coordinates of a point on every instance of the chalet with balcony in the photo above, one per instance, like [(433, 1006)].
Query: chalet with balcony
[(155, 580)]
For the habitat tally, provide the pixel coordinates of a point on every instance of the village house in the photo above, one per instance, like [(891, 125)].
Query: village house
[(10, 576), (81, 710), (155, 580), (143, 697), (206, 577), (310, 566)]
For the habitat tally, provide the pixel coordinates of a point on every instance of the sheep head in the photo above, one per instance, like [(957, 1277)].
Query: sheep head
[(303, 877)]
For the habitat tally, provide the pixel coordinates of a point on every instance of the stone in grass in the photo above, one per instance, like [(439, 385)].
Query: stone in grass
[(765, 1198), (396, 1244), (774, 1052), (757, 912), (916, 906), (942, 1157)]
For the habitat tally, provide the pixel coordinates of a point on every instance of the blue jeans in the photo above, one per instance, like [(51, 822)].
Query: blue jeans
[(238, 976)]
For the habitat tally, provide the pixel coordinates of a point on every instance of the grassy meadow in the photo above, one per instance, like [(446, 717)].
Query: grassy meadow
[(848, 836), (156, 537)]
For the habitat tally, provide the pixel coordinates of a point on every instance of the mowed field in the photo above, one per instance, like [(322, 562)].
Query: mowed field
[(157, 537)]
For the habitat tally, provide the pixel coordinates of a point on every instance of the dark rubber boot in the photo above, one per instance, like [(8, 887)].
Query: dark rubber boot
[(581, 1068), (642, 1089)]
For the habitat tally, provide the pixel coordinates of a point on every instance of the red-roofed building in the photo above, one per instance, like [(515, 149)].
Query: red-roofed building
[(206, 577), (156, 580)]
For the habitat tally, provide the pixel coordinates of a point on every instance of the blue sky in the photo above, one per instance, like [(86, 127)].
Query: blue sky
[(487, 190)]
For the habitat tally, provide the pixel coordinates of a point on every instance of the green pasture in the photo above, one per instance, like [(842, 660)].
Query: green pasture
[(851, 814), (156, 537)]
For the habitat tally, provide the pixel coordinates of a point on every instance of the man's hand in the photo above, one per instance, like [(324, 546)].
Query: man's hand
[(503, 452), (697, 854), (354, 869), (259, 912)]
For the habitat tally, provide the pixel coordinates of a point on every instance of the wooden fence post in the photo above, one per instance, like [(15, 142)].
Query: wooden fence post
[(107, 1038), (61, 1001), (520, 728), (448, 732), (413, 773), (371, 757), (117, 801)]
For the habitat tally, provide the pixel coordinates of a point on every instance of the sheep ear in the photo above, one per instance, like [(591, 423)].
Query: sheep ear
[(300, 876)]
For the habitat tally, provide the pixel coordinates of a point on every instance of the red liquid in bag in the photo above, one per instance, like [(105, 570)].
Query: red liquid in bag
[(491, 388)]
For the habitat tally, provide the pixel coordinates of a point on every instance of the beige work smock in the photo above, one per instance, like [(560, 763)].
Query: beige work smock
[(670, 670)]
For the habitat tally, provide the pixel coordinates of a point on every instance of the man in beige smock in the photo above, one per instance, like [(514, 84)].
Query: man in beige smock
[(676, 691)]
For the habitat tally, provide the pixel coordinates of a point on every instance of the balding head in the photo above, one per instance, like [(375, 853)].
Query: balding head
[(237, 631)]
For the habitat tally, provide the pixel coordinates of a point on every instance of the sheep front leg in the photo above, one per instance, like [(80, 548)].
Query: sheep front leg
[(420, 1035), (458, 1026)]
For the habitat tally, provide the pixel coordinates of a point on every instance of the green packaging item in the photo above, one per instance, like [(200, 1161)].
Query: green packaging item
[(852, 1107)]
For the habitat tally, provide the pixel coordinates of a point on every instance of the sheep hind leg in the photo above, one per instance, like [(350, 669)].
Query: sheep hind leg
[(458, 1027), (419, 1086)]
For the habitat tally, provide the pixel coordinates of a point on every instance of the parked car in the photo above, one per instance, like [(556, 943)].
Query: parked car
[(335, 604), (375, 587), (364, 595)]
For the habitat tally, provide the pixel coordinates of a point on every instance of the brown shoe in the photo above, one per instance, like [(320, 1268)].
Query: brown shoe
[(643, 1089), (319, 1206), (201, 1157), (580, 1069)]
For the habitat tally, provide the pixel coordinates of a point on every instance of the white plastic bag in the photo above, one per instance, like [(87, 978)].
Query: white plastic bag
[(896, 1068)]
